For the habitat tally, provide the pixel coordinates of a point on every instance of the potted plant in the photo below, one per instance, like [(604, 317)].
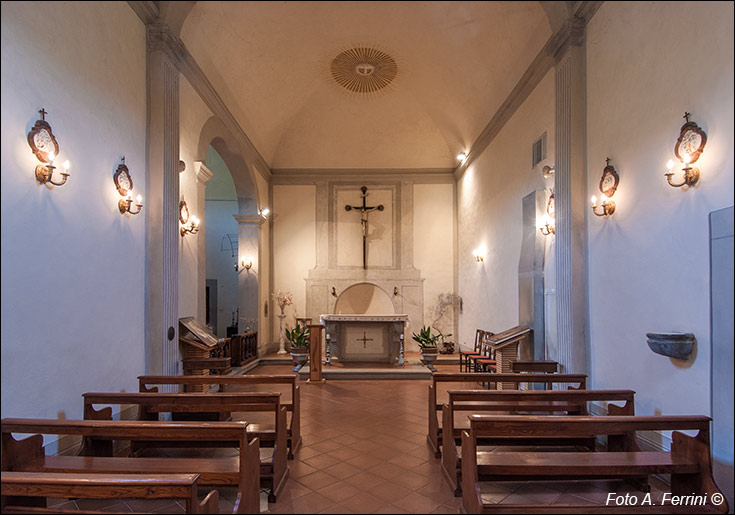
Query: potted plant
[(298, 338), (427, 342)]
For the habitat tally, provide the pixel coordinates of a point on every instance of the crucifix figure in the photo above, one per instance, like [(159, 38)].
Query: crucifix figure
[(364, 210), (364, 339)]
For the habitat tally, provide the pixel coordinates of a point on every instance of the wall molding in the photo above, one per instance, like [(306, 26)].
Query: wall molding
[(286, 176)]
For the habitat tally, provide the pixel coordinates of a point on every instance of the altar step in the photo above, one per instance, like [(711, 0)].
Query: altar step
[(408, 371)]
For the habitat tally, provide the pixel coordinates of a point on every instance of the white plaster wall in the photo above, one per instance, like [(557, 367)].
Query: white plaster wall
[(73, 283), (193, 113), (294, 244), (220, 262), (489, 213), (649, 62), (433, 251)]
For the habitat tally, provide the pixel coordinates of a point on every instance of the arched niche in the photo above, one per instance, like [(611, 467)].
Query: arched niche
[(364, 299), (244, 237)]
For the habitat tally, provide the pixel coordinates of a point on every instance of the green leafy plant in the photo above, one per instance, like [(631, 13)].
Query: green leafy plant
[(298, 337), (425, 339)]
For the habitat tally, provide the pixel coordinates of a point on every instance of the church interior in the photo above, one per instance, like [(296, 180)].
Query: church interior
[(445, 194)]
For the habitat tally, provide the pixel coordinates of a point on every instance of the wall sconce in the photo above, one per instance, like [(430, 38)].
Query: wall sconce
[(264, 212), (189, 224), (478, 255), (548, 227), (548, 171), (607, 205), (608, 185), (247, 265), (334, 291), (689, 146), (462, 157), (182, 166), (124, 184), (46, 149), (395, 291)]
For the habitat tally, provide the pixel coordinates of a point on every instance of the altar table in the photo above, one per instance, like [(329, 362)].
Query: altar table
[(365, 338)]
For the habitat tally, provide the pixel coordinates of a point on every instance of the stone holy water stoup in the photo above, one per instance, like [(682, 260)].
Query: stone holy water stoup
[(673, 345)]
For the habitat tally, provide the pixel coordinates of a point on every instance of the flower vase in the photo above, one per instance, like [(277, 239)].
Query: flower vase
[(282, 341)]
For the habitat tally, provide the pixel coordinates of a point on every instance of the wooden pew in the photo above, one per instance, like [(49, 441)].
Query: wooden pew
[(218, 365), (34, 488), (147, 384), (243, 470), (688, 462), (568, 402), (273, 467), (534, 366), (434, 435)]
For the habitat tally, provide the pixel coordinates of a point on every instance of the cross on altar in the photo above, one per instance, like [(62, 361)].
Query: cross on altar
[(364, 210), (364, 339)]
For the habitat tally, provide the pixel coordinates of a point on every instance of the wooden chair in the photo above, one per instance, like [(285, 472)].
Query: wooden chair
[(242, 470), (434, 435), (538, 402), (688, 461), (466, 358), (27, 492)]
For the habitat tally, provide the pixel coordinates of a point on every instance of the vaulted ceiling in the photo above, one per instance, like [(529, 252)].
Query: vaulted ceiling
[(456, 64)]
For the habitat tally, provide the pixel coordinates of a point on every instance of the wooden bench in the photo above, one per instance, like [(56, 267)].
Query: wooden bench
[(568, 402), (27, 492), (272, 436), (148, 384), (688, 462), (243, 470), (220, 366), (534, 366), (434, 435)]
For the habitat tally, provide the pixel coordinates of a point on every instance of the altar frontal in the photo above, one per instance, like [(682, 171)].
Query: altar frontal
[(365, 338)]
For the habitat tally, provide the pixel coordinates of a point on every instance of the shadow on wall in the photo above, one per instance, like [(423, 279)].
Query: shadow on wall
[(364, 299)]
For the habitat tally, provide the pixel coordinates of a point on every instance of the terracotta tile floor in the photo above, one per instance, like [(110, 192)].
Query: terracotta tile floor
[(364, 451)]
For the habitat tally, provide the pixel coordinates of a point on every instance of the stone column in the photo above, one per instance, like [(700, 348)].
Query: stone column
[(162, 224), (567, 47), (203, 175)]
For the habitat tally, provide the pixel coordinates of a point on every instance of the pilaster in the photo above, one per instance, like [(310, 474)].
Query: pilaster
[(203, 175), (567, 47), (162, 212)]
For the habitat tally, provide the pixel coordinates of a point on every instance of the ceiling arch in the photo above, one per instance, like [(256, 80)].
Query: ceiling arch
[(457, 62)]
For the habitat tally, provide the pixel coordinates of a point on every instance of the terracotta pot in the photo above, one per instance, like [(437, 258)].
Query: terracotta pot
[(299, 355), (429, 355)]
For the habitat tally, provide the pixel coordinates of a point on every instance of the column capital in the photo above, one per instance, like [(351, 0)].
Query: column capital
[(571, 34), (161, 39), (249, 219), (203, 173)]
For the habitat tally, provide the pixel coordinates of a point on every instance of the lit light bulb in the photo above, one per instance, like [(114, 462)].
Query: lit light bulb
[(461, 156), (670, 164), (140, 199), (594, 200), (264, 212), (66, 165), (51, 157), (687, 158)]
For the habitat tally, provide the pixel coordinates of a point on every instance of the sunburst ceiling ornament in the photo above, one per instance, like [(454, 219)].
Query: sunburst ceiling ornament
[(364, 70)]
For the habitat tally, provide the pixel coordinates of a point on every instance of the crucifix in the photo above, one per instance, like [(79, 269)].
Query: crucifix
[(364, 210), (364, 339)]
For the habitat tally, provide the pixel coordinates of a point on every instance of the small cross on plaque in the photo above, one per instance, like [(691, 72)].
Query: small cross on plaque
[(364, 339)]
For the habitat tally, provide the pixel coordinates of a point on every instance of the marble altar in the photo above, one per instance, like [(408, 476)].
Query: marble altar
[(365, 338)]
